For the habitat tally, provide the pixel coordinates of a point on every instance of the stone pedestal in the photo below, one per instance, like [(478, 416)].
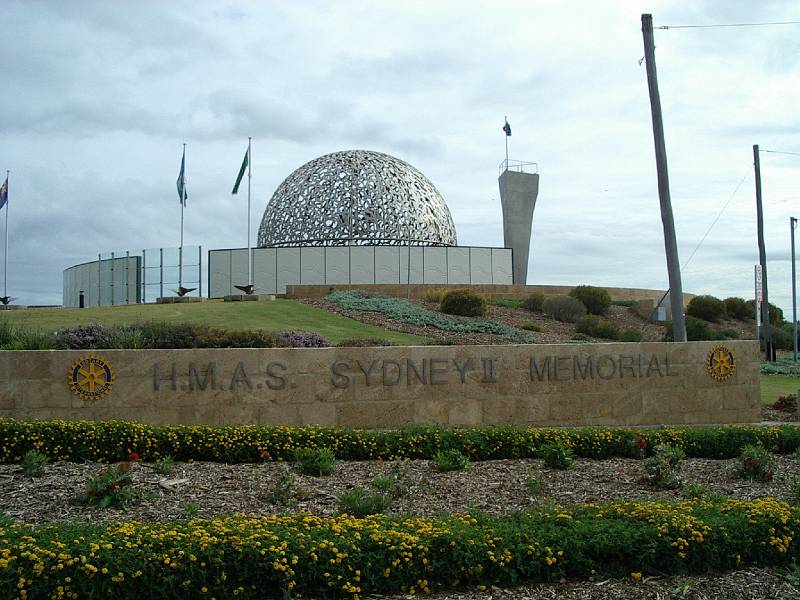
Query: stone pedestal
[(518, 192)]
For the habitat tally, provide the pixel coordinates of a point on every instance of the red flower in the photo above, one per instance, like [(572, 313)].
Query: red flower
[(114, 486), (642, 442), (133, 457), (264, 455), (767, 476)]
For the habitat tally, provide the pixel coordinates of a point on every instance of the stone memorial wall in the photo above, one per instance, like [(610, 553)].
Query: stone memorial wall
[(537, 385)]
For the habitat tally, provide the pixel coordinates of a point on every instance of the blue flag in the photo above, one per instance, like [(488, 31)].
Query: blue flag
[(507, 128), (182, 195), (4, 193)]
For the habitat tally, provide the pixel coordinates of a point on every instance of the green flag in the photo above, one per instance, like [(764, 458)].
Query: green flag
[(241, 172)]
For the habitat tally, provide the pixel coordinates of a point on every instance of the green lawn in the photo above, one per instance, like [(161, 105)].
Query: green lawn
[(775, 386), (279, 315)]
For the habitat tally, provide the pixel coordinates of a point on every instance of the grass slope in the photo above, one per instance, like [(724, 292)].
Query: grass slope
[(775, 386), (280, 315)]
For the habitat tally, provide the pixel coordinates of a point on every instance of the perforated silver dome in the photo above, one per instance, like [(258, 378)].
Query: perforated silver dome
[(356, 197)]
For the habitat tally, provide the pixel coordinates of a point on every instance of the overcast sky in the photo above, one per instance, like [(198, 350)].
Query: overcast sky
[(98, 98)]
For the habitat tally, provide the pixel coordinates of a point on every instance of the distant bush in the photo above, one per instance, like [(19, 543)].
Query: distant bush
[(300, 339), (598, 327), (532, 327), (631, 335), (434, 295), (507, 302), (596, 300), (697, 330), (535, 302), (730, 334), (219, 338), (464, 303), (84, 337), (737, 308), (564, 308), (775, 313), (580, 338), (364, 343), (706, 307), (628, 303)]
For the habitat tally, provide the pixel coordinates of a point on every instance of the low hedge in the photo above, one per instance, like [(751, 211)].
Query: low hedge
[(293, 555), (111, 441)]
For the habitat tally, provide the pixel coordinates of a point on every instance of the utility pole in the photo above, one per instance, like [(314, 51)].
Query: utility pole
[(670, 243), (793, 226), (762, 259)]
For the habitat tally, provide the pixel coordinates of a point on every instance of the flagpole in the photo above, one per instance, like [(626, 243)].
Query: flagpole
[(5, 257), (249, 246), (183, 203), (506, 136)]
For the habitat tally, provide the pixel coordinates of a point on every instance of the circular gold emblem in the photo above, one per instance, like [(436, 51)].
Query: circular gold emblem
[(720, 362), (90, 377)]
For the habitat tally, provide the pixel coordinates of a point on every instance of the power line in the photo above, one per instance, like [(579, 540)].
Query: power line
[(717, 218), (779, 152), (729, 25)]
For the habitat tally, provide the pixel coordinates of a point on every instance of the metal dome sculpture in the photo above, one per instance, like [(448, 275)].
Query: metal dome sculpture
[(356, 197)]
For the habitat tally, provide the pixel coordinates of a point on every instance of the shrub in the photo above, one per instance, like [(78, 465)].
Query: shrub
[(450, 460), (662, 468), (580, 338), (507, 302), (84, 337), (190, 508), (532, 327), (464, 303), (737, 308), (775, 313), (164, 466), (533, 484), (697, 330), (631, 335), (596, 300), (627, 303), (728, 334), (220, 338), (33, 463), (535, 302), (564, 308), (112, 488), (598, 327), (315, 461), (170, 335), (358, 502), (364, 343), (756, 463), (693, 490), (285, 491), (300, 339), (706, 307), (434, 295), (557, 456)]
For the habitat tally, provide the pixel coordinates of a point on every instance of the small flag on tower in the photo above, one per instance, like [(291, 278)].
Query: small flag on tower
[(4, 193), (507, 129), (245, 162), (182, 194)]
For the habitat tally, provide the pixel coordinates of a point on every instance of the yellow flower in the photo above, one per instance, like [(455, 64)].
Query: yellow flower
[(636, 576)]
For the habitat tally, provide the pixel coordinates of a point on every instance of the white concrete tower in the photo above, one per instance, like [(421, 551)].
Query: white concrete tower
[(519, 187)]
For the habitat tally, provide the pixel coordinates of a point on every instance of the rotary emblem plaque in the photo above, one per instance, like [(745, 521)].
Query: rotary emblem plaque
[(91, 378), (720, 362)]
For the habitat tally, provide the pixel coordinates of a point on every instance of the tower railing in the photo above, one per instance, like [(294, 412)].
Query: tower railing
[(520, 166)]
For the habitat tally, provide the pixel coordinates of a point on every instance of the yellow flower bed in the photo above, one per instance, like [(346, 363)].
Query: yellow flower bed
[(111, 441), (304, 555)]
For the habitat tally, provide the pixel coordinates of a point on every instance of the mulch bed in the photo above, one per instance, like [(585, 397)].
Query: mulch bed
[(496, 487)]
